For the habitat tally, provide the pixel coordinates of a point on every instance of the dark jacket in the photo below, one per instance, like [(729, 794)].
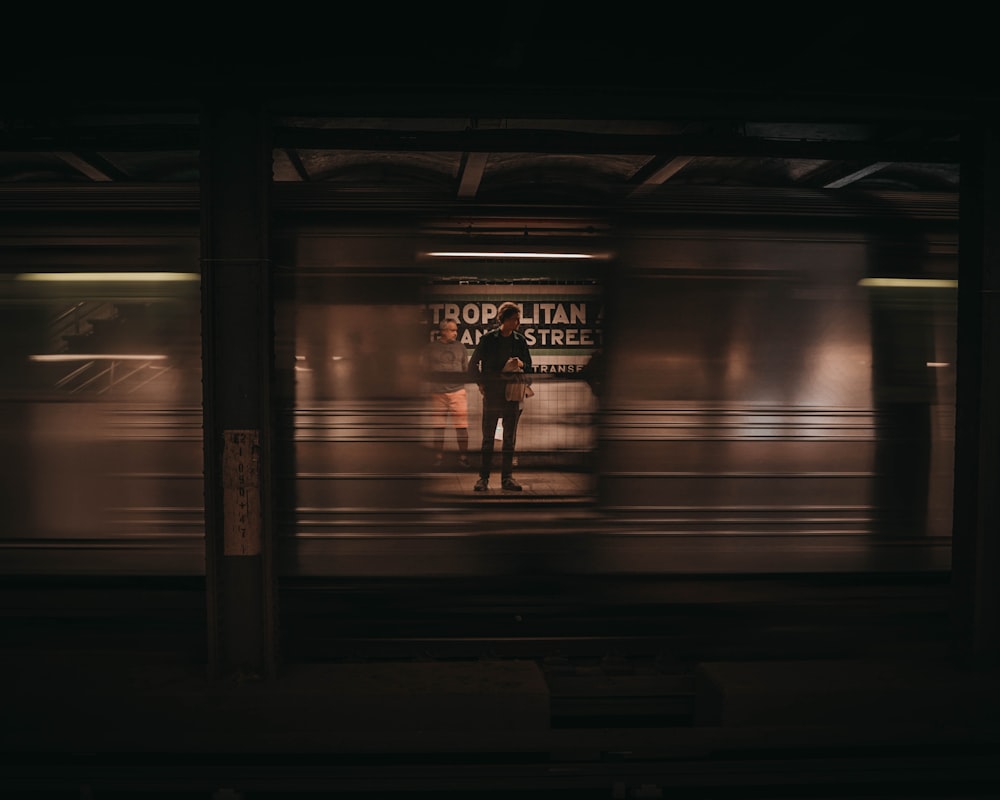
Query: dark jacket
[(489, 357)]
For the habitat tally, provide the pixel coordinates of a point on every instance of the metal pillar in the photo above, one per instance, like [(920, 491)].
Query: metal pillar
[(976, 535), (237, 352)]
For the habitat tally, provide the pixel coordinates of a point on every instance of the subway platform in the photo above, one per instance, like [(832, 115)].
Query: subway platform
[(807, 691), (100, 724)]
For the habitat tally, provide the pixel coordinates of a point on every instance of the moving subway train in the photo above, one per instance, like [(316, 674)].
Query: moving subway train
[(775, 394)]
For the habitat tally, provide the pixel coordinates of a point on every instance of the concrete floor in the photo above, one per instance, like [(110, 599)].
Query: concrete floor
[(452, 481)]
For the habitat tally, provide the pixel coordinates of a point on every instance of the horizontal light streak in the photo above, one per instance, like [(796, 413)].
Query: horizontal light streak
[(108, 277), (97, 357), (909, 283), (505, 254)]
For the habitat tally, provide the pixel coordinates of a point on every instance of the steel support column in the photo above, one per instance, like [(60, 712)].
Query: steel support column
[(237, 367), (976, 536)]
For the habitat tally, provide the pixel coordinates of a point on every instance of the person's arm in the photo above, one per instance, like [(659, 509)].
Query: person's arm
[(474, 369)]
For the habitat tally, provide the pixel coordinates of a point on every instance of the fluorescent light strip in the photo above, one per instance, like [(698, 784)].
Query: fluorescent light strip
[(97, 357), (499, 254), (105, 277), (908, 283)]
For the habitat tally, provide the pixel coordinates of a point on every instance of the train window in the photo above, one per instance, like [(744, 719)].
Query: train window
[(358, 428), (765, 382), (563, 324), (347, 352), (101, 396)]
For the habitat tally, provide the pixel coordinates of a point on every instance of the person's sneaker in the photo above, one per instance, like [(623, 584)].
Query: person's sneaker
[(482, 484), (464, 460), (511, 485)]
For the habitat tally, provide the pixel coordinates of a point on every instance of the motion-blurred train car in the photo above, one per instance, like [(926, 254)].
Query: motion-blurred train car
[(776, 392), (101, 398)]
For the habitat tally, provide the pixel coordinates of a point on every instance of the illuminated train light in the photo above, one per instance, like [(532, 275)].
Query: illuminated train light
[(105, 277), (96, 357), (908, 283), (502, 254)]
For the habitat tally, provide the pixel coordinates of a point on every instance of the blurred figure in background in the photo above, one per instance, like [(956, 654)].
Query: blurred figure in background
[(446, 368), (501, 354)]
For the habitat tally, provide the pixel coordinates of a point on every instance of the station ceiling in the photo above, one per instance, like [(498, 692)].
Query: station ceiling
[(529, 119)]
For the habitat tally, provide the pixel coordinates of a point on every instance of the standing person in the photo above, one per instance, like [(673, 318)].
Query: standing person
[(501, 350), (446, 363)]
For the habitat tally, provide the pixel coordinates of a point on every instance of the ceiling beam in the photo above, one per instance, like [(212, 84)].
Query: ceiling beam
[(656, 172), (92, 165), (177, 138), (856, 175), (112, 138), (565, 142), (300, 169), (471, 173)]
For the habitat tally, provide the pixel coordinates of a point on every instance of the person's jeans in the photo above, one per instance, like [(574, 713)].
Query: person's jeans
[(509, 412)]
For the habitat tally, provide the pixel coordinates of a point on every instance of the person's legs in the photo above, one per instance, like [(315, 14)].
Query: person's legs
[(511, 415), (491, 413)]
